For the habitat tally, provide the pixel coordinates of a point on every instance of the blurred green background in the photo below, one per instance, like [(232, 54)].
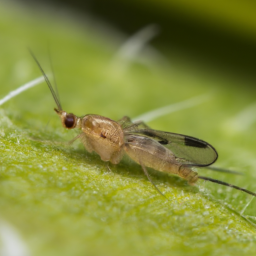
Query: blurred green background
[(221, 34), (57, 199)]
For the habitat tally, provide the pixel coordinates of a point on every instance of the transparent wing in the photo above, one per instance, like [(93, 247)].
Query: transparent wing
[(188, 150)]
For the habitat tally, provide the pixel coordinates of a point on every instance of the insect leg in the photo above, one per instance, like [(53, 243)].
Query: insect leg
[(141, 125), (77, 137), (84, 140), (126, 122), (146, 173), (117, 156), (107, 164)]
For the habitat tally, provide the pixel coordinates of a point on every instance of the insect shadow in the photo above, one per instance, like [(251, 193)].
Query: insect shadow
[(166, 152)]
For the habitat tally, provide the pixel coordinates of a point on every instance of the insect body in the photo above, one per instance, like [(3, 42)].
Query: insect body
[(149, 148), (163, 151)]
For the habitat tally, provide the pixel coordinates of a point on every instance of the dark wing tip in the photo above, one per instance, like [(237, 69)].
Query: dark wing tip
[(195, 143)]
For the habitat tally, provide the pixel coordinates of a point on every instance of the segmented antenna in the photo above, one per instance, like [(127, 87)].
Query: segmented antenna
[(217, 169), (54, 78), (227, 185), (47, 81)]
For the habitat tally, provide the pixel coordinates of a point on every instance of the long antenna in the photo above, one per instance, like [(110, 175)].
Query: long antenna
[(227, 185), (54, 78), (217, 169), (47, 81)]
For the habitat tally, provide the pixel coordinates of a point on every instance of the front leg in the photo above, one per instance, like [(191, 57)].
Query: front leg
[(117, 156)]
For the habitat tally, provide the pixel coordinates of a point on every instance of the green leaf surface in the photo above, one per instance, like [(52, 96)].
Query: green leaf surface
[(64, 201)]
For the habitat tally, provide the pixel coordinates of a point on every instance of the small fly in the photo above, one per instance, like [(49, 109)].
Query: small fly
[(163, 151)]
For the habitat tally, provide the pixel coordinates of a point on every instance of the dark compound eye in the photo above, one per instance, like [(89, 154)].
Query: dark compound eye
[(70, 120)]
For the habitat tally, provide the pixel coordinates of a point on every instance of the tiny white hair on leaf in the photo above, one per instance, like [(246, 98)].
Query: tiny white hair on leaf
[(156, 113), (134, 44), (242, 121), (136, 48), (11, 242), (21, 89), (245, 207)]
